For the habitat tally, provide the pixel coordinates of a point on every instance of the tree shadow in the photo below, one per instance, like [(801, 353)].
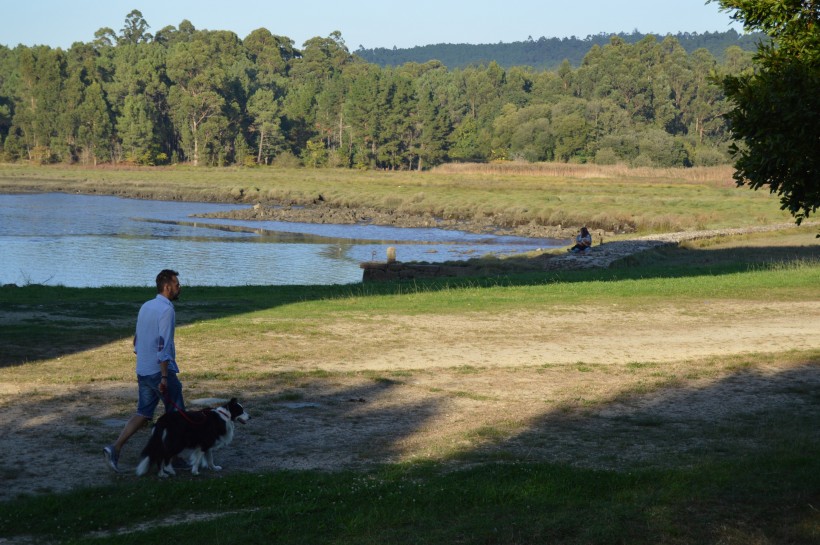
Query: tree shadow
[(745, 413), (333, 426)]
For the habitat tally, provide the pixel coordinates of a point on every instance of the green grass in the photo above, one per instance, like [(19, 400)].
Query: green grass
[(757, 499), (93, 317)]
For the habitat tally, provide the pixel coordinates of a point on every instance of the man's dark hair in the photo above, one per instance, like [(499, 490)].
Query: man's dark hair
[(165, 276)]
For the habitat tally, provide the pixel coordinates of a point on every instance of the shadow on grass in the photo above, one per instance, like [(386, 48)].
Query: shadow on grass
[(39, 322), (729, 462), (743, 414)]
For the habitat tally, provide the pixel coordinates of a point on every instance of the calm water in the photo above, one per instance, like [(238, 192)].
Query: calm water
[(92, 241)]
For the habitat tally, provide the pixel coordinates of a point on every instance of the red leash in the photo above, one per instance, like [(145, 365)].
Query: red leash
[(184, 414)]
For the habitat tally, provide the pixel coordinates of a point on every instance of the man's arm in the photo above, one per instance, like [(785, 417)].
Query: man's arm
[(163, 383)]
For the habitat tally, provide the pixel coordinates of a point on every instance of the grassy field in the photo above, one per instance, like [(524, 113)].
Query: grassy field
[(718, 446), (610, 198)]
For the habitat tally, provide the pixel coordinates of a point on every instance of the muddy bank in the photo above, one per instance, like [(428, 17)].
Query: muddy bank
[(322, 212), (315, 210)]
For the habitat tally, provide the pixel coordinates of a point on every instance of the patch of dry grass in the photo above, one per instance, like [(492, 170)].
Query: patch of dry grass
[(717, 175)]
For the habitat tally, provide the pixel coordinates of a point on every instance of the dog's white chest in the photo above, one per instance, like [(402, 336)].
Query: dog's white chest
[(227, 437)]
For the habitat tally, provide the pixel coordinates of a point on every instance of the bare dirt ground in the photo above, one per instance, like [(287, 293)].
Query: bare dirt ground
[(647, 389)]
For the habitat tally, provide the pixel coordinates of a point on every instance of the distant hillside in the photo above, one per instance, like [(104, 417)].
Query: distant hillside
[(544, 53)]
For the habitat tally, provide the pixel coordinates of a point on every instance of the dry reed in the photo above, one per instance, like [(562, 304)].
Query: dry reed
[(721, 175)]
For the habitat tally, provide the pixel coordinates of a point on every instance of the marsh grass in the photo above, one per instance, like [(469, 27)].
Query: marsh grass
[(719, 175), (506, 195)]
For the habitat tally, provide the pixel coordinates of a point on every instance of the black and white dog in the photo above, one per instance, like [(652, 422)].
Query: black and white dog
[(202, 431)]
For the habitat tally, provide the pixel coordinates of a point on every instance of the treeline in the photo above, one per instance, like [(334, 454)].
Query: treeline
[(209, 97), (548, 53)]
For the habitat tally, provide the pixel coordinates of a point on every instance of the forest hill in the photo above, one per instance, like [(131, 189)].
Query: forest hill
[(549, 53), (210, 98)]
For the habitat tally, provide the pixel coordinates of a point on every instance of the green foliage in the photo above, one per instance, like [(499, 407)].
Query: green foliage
[(432, 128), (465, 144), (210, 98), (315, 154), (136, 130), (207, 75), (661, 149), (135, 29), (776, 114), (94, 130), (525, 133), (263, 108), (544, 53), (41, 72)]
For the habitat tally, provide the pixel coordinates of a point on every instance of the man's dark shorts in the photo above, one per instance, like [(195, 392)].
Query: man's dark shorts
[(149, 395)]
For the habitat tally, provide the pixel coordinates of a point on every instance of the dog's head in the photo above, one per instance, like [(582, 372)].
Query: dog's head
[(237, 411)]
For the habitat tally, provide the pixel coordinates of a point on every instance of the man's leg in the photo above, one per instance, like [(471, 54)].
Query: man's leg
[(112, 452), (134, 424), (174, 402), (148, 398)]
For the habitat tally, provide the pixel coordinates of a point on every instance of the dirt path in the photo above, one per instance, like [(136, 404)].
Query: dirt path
[(648, 388)]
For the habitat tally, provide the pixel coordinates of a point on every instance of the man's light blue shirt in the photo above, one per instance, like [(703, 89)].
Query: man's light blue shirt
[(154, 339)]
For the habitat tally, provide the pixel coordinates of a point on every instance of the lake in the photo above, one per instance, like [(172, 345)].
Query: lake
[(93, 241)]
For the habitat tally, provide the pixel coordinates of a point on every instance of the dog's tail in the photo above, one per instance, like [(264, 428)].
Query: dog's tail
[(153, 451), (142, 467)]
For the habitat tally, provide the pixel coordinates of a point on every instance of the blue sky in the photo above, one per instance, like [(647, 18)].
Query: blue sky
[(370, 23)]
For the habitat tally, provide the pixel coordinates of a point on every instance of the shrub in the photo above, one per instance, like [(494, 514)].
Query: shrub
[(641, 161), (606, 156), (625, 146), (286, 160), (663, 149), (703, 156)]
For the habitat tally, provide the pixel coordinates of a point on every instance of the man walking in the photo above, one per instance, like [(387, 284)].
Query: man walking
[(156, 362)]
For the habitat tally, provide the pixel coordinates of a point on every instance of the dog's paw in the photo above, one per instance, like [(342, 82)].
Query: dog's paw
[(217, 468)]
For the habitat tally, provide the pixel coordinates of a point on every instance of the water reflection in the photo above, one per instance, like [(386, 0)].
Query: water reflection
[(91, 241)]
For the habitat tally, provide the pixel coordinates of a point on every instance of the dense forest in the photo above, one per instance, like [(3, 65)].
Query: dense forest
[(548, 53), (211, 98)]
